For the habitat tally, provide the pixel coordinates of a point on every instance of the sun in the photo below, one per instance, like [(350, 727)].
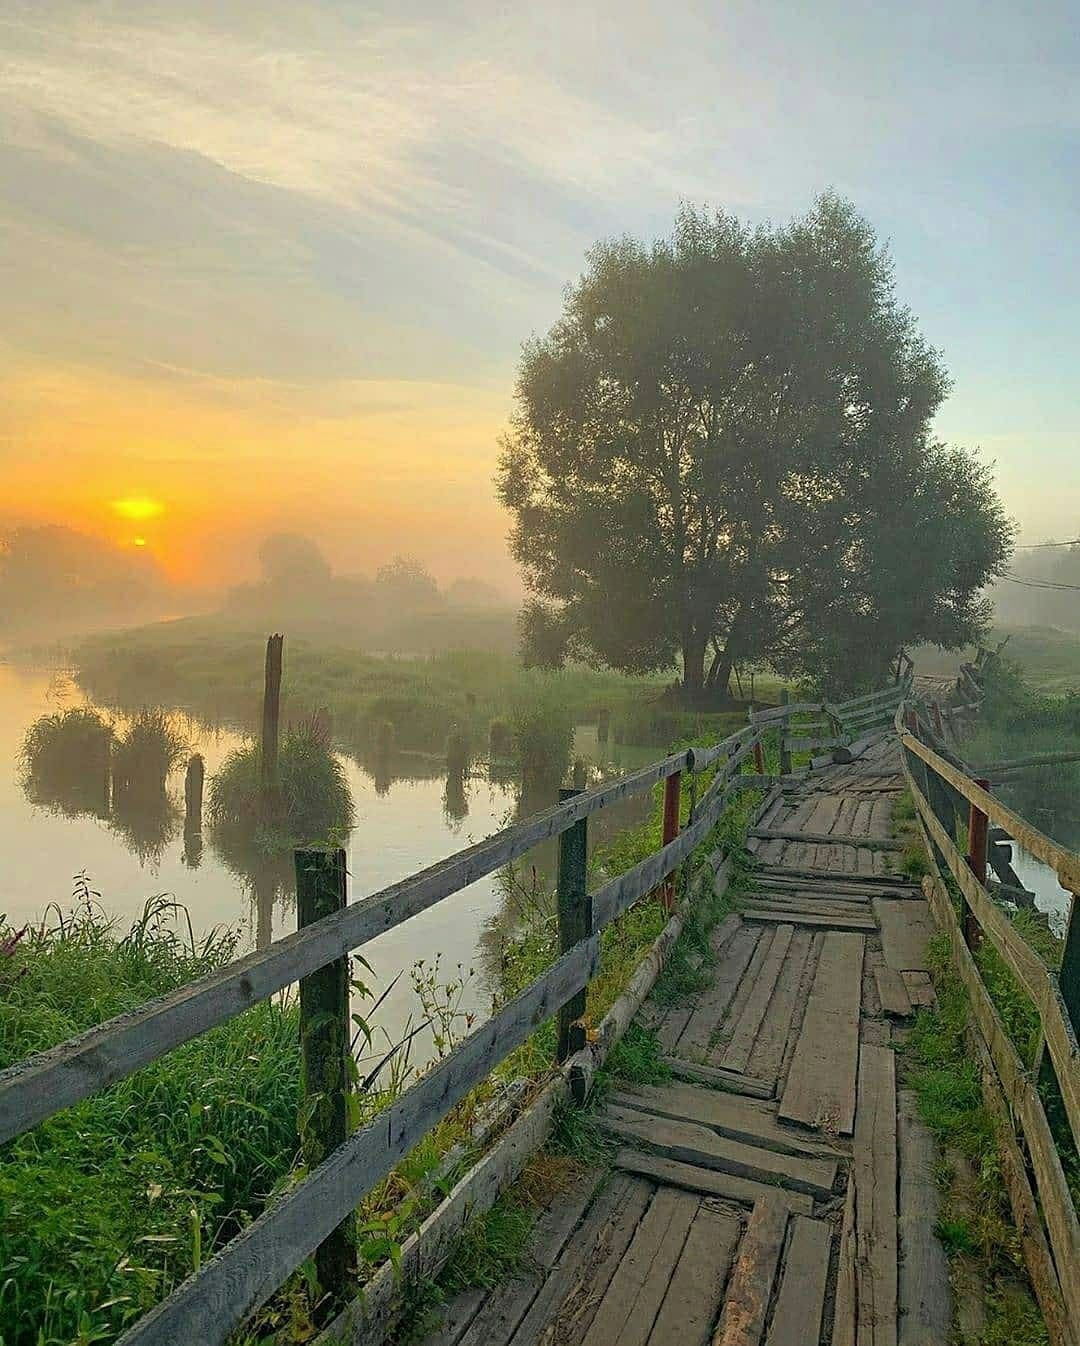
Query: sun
[(138, 508)]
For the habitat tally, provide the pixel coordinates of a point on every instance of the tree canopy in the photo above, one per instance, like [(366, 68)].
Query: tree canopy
[(723, 451)]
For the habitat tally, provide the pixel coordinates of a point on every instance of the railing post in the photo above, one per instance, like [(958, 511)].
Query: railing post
[(759, 751), (269, 786), (939, 723), (324, 1050), (672, 801), (575, 922), (978, 838), (1069, 976), (785, 752)]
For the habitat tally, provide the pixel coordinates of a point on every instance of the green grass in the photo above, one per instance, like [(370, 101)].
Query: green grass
[(974, 1224), (107, 1205)]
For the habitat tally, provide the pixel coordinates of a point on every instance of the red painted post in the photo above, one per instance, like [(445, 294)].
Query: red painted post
[(672, 797), (911, 719), (978, 834), (759, 758), (939, 724)]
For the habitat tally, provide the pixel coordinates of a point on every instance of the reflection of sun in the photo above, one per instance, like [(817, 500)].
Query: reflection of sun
[(137, 507), (139, 541)]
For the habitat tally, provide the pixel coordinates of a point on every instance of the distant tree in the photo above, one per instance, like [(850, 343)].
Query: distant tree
[(407, 585), (706, 448), (473, 593), (291, 562)]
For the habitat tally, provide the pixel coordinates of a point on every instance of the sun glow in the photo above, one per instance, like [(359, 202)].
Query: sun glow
[(138, 508)]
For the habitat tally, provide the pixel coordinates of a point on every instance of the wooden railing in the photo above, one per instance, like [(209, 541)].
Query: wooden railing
[(211, 1303), (954, 812)]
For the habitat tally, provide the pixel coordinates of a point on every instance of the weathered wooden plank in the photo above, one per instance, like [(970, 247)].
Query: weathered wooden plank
[(737, 1052), (809, 902), (824, 838), (459, 1313), (596, 1264), (919, 987), (823, 819), (691, 1143), (713, 1003), (881, 822), (697, 1286), (881, 885), (821, 1084), (629, 1308), (729, 1080), (707, 1181), (742, 1322), (778, 915), (780, 1019), (892, 993), (247, 1271), (796, 1319), (906, 928), (924, 1296), (846, 1300), (874, 1170), (509, 1302), (52, 1080), (744, 1119)]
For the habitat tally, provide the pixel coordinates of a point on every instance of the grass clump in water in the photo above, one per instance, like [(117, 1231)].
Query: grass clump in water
[(64, 762)]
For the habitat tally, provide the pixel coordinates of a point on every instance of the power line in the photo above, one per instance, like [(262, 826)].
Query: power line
[(1039, 584), (1029, 546)]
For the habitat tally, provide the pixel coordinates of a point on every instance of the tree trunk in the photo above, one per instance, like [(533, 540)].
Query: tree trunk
[(720, 674), (693, 657)]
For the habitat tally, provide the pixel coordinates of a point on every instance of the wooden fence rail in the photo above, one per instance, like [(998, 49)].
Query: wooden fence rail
[(210, 1304), (939, 787)]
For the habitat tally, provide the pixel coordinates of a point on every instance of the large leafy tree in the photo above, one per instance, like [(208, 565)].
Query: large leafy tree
[(708, 448)]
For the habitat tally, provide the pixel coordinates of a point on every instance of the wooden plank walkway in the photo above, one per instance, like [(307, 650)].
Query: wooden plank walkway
[(779, 1192)]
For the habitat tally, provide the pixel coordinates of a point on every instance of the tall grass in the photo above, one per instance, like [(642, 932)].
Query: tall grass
[(148, 750), (64, 761), (107, 1205)]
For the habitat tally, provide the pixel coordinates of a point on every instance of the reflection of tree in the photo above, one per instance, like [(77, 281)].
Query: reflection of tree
[(455, 801), (146, 820)]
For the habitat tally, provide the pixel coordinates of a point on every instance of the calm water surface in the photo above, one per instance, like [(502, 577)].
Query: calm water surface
[(400, 828)]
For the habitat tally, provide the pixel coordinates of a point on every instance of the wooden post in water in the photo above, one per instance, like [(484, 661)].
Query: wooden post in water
[(324, 1050), (785, 751), (575, 921), (193, 794), (672, 801), (271, 715)]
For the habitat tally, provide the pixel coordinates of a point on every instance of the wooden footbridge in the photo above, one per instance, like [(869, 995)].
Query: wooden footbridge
[(780, 1189)]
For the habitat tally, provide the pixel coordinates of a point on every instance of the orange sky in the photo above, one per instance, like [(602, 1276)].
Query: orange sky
[(367, 468)]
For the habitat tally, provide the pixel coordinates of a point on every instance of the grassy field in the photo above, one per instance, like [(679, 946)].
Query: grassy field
[(215, 670), (1049, 657)]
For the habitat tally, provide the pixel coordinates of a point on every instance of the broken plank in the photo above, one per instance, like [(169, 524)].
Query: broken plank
[(729, 1080), (919, 987), (780, 1020), (892, 993), (713, 1003), (823, 838), (777, 915), (740, 1044), (697, 1286), (820, 1088), (846, 1305), (924, 1296), (691, 1143), (627, 1199), (905, 929), (629, 1308), (707, 1181), (874, 1170), (743, 1119), (746, 1306), (800, 1302)]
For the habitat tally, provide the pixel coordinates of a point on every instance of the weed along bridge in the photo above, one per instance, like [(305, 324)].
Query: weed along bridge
[(773, 1185)]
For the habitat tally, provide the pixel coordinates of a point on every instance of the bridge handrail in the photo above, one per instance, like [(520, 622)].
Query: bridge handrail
[(1057, 1279)]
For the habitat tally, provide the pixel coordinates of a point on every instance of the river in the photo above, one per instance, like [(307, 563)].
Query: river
[(402, 825)]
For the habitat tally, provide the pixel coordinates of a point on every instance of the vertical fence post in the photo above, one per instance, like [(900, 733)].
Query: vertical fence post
[(785, 751), (672, 801), (271, 715), (978, 839), (324, 1049), (575, 921), (939, 723), (193, 793), (1069, 976)]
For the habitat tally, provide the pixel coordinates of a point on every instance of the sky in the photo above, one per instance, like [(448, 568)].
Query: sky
[(271, 266)]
